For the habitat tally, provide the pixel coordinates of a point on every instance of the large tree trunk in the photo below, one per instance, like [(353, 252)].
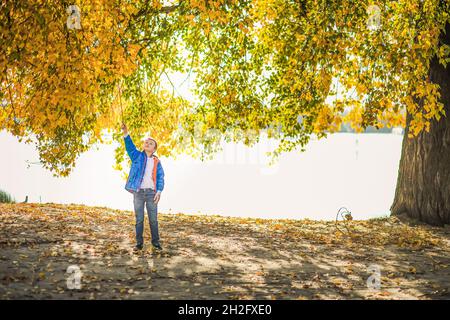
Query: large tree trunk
[(423, 183)]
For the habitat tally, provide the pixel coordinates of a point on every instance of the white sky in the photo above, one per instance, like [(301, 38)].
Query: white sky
[(358, 171)]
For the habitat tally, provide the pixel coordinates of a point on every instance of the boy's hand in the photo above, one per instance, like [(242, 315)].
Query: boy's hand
[(124, 129), (156, 198)]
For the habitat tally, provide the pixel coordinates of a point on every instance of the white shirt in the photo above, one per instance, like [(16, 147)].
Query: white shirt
[(147, 181)]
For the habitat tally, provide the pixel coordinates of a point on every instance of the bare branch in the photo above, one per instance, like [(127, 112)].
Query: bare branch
[(146, 10)]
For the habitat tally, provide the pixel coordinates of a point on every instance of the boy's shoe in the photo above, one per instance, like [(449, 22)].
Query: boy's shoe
[(157, 246), (138, 247)]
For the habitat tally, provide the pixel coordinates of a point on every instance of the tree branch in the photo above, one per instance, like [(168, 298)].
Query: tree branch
[(146, 10)]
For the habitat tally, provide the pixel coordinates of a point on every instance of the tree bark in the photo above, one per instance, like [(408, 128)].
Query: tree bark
[(423, 183)]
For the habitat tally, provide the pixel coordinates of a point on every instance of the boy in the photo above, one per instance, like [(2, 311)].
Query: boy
[(145, 181)]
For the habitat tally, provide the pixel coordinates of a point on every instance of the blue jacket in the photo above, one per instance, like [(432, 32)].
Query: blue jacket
[(138, 163)]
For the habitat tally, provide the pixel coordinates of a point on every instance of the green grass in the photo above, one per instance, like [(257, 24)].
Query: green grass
[(6, 197)]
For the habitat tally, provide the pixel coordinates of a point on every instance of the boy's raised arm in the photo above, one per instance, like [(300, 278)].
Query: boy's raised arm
[(129, 145)]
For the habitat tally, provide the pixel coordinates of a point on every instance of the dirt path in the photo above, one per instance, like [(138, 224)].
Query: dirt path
[(215, 257)]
